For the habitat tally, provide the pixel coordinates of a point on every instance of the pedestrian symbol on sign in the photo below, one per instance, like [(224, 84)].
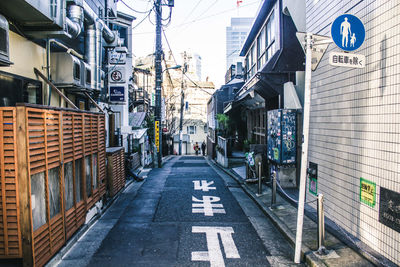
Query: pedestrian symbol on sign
[(348, 32)]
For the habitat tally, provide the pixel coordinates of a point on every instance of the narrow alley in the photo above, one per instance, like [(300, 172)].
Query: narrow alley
[(187, 213)]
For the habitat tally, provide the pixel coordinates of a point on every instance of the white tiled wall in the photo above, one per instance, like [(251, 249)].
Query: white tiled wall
[(355, 120)]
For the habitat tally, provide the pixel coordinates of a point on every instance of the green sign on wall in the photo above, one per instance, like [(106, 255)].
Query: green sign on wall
[(367, 192)]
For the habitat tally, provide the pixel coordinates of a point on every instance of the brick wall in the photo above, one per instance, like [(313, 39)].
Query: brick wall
[(355, 120)]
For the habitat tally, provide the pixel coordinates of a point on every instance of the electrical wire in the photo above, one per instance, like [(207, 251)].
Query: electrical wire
[(134, 10), (204, 18), (190, 13), (169, 46), (148, 14)]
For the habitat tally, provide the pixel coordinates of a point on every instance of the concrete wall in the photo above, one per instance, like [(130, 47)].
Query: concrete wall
[(27, 55), (355, 115)]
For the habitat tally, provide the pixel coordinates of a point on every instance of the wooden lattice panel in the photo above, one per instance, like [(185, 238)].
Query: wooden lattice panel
[(68, 137), (10, 235), (116, 170), (51, 138), (78, 135)]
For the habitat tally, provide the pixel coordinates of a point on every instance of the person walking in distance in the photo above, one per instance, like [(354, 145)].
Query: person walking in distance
[(203, 148), (196, 148)]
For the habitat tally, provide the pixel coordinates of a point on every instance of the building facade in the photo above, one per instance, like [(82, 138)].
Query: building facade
[(354, 134), (236, 34)]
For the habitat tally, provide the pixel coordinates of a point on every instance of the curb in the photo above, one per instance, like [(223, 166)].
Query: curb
[(307, 254)]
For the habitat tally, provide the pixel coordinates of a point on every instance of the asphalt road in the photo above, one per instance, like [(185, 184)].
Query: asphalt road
[(185, 214)]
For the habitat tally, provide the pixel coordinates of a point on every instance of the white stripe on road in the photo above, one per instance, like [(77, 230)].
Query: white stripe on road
[(214, 253)]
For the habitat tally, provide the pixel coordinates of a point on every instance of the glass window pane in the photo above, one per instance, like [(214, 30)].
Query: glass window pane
[(272, 22), (54, 191), (78, 180), (88, 177), (68, 185), (94, 159), (38, 200)]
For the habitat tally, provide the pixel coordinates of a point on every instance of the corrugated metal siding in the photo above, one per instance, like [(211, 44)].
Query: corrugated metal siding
[(355, 120)]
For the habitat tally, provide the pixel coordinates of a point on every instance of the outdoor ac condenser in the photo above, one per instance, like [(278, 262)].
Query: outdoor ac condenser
[(4, 42), (66, 70)]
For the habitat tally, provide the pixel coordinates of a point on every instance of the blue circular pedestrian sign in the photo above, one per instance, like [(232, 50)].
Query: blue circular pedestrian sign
[(348, 32)]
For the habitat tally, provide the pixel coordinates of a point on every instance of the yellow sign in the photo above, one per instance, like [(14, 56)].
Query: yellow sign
[(157, 134), (367, 192)]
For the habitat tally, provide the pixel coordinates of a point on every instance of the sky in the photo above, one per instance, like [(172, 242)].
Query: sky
[(197, 26)]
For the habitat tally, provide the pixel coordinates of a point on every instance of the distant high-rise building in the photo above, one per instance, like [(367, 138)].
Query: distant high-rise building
[(235, 36), (197, 62)]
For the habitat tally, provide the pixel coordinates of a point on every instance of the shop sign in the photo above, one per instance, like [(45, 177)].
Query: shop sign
[(117, 93), (157, 134), (367, 192), (389, 208)]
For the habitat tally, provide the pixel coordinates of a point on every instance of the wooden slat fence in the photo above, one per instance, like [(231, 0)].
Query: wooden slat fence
[(59, 142)]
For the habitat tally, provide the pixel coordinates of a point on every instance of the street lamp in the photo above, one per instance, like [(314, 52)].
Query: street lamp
[(157, 126)]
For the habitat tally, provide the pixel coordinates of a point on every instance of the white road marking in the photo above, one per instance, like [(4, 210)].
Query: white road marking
[(214, 253), (203, 185), (206, 205)]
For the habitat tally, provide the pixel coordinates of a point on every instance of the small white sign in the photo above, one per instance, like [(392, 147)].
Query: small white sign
[(346, 60)]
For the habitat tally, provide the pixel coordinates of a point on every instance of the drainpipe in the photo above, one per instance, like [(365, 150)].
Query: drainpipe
[(99, 29), (74, 20), (95, 29), (90, 51)]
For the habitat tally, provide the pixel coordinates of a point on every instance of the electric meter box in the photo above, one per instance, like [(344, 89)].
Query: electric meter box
[(282, 136)]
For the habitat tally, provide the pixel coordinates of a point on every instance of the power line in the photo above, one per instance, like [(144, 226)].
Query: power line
[(198, 86), (142, 12), (148, 14), (190, 13), (207, 17)]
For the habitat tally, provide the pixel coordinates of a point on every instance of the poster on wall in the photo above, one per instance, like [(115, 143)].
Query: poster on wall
[(389, 208), (367, 192)]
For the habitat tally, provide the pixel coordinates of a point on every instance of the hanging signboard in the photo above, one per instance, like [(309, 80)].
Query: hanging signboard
[(389, 208), (348, 32), (117, 93), (367, 192), (157, 134)]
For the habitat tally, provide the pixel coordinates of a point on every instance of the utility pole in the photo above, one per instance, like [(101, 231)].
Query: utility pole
[(158, 69), (182, 101)]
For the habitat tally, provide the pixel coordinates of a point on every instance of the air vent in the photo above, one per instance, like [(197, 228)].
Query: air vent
[(4, 42)]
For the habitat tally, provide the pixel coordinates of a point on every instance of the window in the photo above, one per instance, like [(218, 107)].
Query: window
[(38, 200), (270, 37), (54, 191), (68, 185), (205, 128), (94, 166), (78, 180), (88, 177), (191, 129), (261, 49)]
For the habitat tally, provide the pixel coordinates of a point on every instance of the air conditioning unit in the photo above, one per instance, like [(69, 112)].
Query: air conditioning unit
[(86, 75), (66, 70), (4, 42)]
